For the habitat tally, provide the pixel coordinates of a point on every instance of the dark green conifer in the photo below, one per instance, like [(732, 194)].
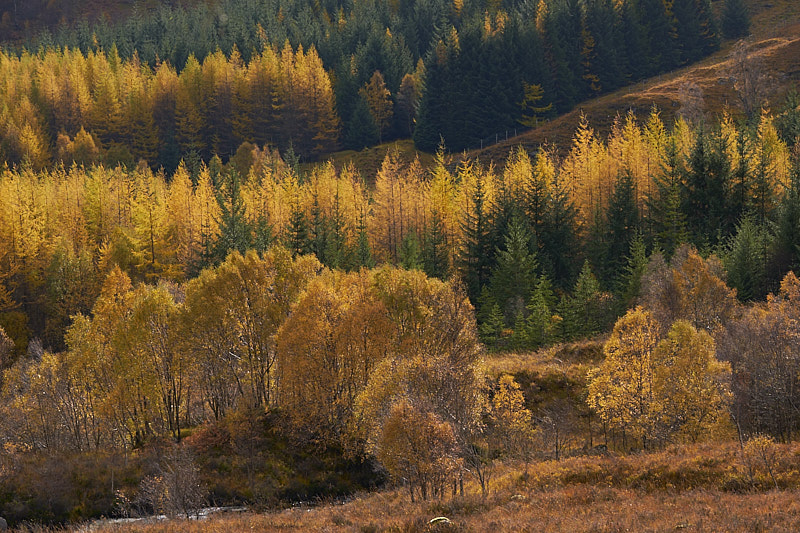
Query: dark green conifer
[(475, 257), (622, 224), (235, 232), (435, 259), (410, 254), (735, 19), (515, 273)]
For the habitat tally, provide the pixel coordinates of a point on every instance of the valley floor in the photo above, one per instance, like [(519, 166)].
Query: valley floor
[(706, 487), (577, 508)]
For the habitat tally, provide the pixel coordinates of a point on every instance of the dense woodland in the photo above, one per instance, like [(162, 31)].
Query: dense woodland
[(188, 313), (173, 83), (129, 320)]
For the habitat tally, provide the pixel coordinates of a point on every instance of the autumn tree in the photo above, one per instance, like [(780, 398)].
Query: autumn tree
[(378, 101), (621, 390), (327, 350), (689, 288), (511, 422), (433, 362), (765, 364), (532, 108), (232, 319), (6, 345), (657, 389), (690, 384), (419, 449)]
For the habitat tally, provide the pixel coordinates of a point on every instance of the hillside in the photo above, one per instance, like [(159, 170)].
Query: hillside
[(775, 40)]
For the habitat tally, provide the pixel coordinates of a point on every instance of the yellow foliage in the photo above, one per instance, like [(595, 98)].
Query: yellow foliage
[(659, 389)]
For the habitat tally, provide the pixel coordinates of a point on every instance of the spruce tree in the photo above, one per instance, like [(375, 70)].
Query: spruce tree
[(630, 283), (362, 255), (540, 313), (235, 232), (435, 259), (410, 254), (491, 330), (741, 178), (705, 189), (362, 130), (559, 236), (318, 234), (622, 223), (297, 235), (515, 273), (335, 237), (583, 310), (788, 224), (476, 254), (735, 19), (659, 26), (746, 258)]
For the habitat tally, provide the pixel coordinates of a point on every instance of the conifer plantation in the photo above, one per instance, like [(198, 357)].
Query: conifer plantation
[(200, 305)]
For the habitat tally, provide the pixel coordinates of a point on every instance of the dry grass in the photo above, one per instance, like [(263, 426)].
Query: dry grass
[(570, 359), (579, 508), (692, 488)]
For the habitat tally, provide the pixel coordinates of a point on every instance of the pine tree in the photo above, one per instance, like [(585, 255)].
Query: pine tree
[(362, 131), (363, 252), (435, 259), (697, 190), (746, 258), (582, 311), (559, 236), (659, 26), (735, 19), (476, 254), (623, 220), (410, 254), (788, 224), (630, 282), (542, 302), (666, 215), (235, 232), (335, 252), (318, 234), (723, 210), (515, 273), (491, 330), (696, 29), (297, 238)]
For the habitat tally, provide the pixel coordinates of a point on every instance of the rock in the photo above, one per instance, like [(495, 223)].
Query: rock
[(3, 524)]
